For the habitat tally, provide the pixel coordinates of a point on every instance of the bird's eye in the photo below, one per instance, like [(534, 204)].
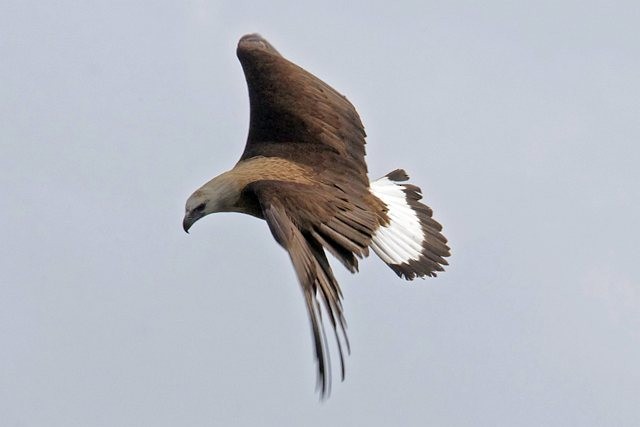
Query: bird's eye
[(200, 207)]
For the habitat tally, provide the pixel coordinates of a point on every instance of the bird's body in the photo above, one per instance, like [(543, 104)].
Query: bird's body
[(303, 172)]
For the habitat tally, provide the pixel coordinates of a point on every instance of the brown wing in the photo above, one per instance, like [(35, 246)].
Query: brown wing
[(304, 218), (295, 115)]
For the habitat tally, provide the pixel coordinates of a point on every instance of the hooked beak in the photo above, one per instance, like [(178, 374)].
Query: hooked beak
[(187, 222)]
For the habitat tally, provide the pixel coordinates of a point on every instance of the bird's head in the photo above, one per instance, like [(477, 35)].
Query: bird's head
[(221, 194)]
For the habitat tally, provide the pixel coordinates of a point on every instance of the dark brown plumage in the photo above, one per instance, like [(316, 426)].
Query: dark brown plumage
[(303, 172)]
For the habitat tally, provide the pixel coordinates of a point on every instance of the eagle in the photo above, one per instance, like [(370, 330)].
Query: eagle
[(303, 171)]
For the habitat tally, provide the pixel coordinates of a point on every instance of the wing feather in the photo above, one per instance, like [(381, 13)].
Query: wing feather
[(319, 287), (299, 217), (295, 115)]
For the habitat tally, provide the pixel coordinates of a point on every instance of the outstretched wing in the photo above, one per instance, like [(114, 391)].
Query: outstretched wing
[(295, 115)]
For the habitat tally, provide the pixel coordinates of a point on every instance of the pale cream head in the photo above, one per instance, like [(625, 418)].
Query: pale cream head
[(221, 194)]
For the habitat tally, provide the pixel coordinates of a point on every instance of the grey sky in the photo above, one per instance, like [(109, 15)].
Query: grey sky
[(520, 121)]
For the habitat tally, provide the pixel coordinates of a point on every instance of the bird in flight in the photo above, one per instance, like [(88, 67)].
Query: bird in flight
[(303, 171)]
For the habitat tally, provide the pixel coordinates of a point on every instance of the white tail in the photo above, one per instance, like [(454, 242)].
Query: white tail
[(411, 242)]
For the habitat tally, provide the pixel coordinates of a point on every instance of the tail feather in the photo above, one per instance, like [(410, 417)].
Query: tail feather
[(411, 242)]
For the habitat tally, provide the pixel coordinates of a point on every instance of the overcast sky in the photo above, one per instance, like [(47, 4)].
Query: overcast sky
[(519, 120)]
